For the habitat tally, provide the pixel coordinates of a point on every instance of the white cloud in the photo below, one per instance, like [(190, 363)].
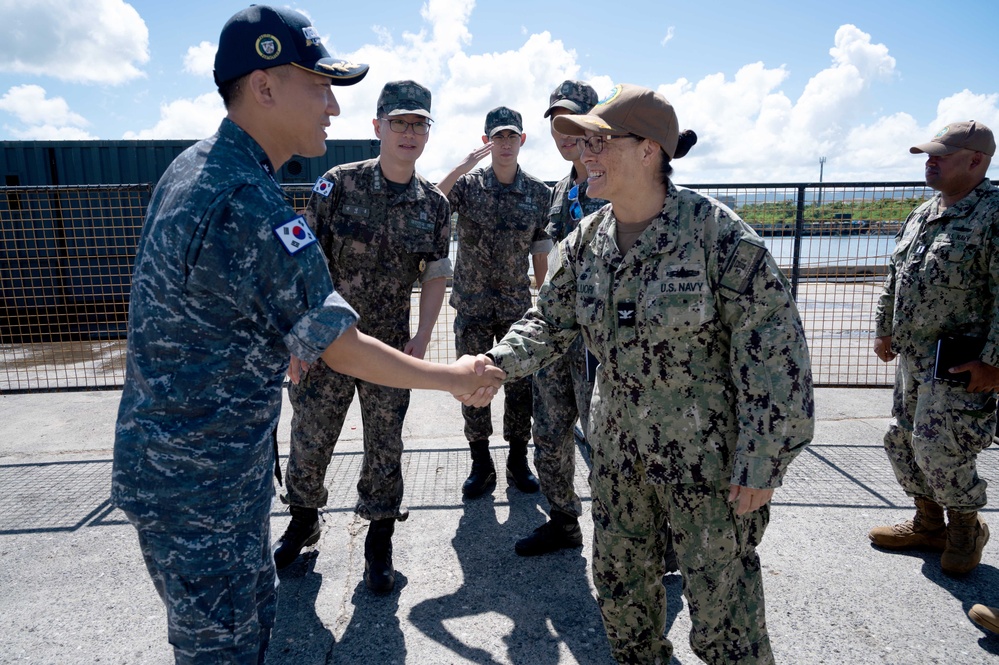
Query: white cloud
[(88, 41), (668, 37), (853, 48), (185, 119), (750, 128), (48, 133), (200, 59), (465, 86), (751, 131), (43, 118), (965, 105), (30, 105)]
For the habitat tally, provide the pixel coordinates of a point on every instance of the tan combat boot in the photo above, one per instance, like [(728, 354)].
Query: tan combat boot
[(967, 534), (925, 531), (986, 617)]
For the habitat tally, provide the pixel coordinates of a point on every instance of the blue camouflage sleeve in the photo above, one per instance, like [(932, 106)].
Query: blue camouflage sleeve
[(258, 255)]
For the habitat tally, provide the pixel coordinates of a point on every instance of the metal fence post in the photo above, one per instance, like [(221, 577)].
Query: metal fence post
[(799, 229)]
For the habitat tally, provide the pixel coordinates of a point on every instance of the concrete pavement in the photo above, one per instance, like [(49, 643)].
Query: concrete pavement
[(73, 588)]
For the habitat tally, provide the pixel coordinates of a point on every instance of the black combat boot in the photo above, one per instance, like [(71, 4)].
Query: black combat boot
[(517, 469), (483, 475), (560, 533), (379, 574), (302, 531)]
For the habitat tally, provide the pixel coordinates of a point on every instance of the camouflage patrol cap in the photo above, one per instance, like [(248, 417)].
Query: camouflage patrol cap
[(956, 136), (403, 97), (501, 118), (628, 109), (261, 37), (576, 96)]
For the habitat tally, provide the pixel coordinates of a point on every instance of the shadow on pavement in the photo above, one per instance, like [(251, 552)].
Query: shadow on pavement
[(547, 599), (299, 634)]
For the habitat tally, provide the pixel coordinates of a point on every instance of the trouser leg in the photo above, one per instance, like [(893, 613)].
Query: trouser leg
[(320, 402), (471, 337), (935, 437), (214, 614), (380, 487), (898, 438), (628, 561), (723, 584), (555, 415)]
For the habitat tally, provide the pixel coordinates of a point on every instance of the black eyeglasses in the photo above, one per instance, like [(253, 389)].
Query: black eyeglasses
[(512, 137), (595, 144), (575, 210), (400, 126)]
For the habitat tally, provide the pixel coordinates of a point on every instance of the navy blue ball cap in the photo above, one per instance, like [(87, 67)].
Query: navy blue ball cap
[(261, 37)]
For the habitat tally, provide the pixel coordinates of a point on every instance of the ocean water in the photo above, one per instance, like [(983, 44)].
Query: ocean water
[(816, 251)]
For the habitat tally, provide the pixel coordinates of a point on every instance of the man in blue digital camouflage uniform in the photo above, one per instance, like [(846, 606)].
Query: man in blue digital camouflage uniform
[(383, 228), (228, 281), (501, 221)]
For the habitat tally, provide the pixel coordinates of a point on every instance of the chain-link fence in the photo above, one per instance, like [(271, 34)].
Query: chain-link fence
[(66, 255)]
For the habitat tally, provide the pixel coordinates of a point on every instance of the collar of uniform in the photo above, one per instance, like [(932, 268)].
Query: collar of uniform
[(380, 184), (963, 207), (237, 136), (492, 182), (664, 225)]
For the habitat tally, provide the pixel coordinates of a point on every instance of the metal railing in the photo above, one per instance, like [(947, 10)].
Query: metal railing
[(66, 255)]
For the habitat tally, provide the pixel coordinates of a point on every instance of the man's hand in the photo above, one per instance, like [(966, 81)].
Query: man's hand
[(297, 368), (882, 349), (984, 377), (749, 499), (474, 157), (478, 381), (416, 347)]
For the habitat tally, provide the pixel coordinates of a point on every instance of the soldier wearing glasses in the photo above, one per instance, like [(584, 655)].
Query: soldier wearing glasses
[(382, 227), (703, 392), (502, 213)]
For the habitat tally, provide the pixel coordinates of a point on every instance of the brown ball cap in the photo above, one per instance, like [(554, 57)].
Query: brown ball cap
[(628, 109), (956, 136)]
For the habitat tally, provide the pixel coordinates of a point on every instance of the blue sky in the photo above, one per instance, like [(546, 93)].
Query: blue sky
[(768, 86)]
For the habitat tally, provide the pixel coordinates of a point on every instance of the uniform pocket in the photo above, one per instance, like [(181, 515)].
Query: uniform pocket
[(948, 264)]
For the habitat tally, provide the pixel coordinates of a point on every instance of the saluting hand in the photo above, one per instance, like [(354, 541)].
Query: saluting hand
[(475, 156)]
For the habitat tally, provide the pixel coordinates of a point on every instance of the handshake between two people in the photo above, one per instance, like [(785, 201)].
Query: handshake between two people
[(472, 380)]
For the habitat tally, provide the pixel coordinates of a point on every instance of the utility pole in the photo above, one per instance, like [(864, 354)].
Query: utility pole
[(822, 163)]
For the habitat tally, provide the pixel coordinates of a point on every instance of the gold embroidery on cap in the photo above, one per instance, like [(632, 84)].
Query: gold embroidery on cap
[(268, 47), (342, 67)]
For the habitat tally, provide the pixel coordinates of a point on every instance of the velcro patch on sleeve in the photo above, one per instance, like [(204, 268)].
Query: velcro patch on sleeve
[(323, 187), (742, 266), (295, 235), (555, 260)]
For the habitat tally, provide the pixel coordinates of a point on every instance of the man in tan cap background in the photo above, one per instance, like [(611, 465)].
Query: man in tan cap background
[(940, 292)]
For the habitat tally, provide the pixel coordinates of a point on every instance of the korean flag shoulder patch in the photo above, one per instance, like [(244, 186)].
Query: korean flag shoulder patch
[(295, 235), (324, 187)]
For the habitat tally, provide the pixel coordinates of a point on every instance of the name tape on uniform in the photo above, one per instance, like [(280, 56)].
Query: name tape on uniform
[(295, 235)]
